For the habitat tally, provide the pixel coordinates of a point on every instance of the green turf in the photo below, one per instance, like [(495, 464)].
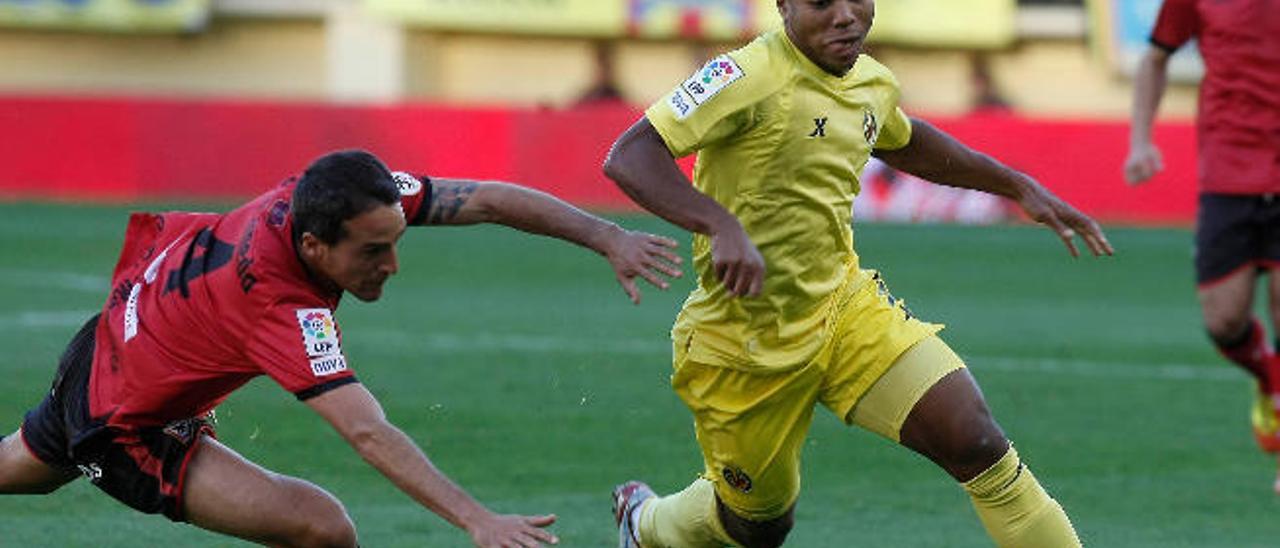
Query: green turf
[(523, 371)]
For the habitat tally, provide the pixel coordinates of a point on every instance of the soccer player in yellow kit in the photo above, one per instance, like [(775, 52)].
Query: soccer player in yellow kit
[(783, 316)]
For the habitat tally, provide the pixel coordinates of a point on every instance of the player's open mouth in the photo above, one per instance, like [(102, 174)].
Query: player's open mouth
[(849, 39), (846, 45)]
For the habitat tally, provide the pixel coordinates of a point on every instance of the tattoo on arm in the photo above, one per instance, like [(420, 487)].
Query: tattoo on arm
[(448, 198)]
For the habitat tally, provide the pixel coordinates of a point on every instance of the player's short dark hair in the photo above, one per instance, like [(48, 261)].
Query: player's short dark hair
[(336, 187)]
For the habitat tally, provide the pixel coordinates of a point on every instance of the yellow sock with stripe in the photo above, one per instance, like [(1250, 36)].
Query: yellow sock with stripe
[(687, 519), (1016, 510)]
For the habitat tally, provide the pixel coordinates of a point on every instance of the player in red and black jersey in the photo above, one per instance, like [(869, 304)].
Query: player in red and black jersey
[(202, 303), (1238, 133)]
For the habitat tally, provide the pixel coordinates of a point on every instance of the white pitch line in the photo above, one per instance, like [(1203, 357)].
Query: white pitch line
[(660, 349), (510, 342), (45, 319), (28, 278), (1094, 368)]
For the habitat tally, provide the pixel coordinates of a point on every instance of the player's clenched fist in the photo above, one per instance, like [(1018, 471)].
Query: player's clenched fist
[(737, 262)]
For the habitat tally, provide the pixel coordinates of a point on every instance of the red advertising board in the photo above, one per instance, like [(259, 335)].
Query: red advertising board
[(125, 149)]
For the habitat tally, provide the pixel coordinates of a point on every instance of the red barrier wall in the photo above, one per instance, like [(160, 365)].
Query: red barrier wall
[(1082, 161), (122, 149)]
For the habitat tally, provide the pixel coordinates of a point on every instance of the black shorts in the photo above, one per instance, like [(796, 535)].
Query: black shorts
[(143, 468), (1236, 231)]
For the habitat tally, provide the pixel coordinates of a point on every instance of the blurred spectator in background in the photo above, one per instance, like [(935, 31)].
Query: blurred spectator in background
[(1238, 224), (604, 86), (986, 95), (887, 194), (898, 197)]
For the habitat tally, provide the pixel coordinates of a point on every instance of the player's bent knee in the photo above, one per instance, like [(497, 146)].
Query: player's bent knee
[(968, 446), (981, 444), (320, 532), (1226, 319), (324, 521), (1225, 329), (335, 533), (225, 493), (972, 451)]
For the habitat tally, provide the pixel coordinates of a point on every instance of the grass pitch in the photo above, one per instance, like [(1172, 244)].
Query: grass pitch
[(522, 370)]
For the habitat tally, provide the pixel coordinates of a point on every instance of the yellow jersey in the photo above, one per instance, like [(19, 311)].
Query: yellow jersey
[(780, 144)]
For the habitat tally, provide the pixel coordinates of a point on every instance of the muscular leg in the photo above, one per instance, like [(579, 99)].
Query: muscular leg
[(21, 473), (228, 494), (952, 426), (1226, 307)]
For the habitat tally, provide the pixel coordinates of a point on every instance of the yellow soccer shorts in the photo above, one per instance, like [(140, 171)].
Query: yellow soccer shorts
[(877, 363)]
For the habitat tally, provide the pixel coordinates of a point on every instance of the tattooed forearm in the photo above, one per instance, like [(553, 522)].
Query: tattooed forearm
[(448, 198)]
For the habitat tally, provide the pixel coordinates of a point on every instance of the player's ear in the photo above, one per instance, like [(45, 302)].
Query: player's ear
[(311, 248)]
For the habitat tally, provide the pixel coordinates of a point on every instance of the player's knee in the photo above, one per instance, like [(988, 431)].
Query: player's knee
[(322, 520), (332, 532), (331, 528), (972, 446), (1226, 329), (757, 534), (978, 453)]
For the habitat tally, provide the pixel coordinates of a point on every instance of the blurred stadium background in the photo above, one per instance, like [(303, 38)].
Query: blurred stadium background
[(516, 362)]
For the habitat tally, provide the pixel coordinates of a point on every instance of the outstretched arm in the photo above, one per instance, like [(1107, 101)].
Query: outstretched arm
[(1144, 159), (644, 169), (356, 415), (631, 254), (935, 156)]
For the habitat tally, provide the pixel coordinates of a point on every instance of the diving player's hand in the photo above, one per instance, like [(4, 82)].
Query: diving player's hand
[(514, 531), (1143, 162), (638, 254), (1066, 221), (736, 260)]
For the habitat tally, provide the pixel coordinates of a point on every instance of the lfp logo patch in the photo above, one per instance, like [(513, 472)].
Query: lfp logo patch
[(703, 85), (719, 70), (319, 333)]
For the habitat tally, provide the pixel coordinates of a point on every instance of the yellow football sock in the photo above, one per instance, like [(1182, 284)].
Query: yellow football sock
[(1016, 510), (687, 519)]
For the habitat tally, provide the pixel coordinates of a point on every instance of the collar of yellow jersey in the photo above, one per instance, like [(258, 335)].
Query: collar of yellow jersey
[(812, 69)]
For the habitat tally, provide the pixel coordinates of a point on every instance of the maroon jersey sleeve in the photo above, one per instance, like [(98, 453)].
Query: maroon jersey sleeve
[(415, 196), (1177, 23), (300, 346)]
